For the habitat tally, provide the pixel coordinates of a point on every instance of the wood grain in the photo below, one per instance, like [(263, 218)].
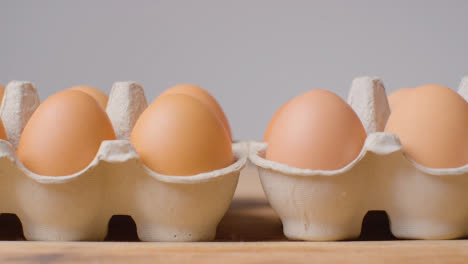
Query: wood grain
[(250, 232), (235, 252)]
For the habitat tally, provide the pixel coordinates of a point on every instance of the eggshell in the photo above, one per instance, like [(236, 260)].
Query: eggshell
[(179, 135), (64, 134), (397, 96), (203, 96), (316, 130), (266, 136), (431, 123), (97, 94), (3, 134), (2, 92)]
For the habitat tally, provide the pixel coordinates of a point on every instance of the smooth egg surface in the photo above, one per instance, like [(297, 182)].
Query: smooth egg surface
[(432, 124), (2, 93), (64, 134), (179, 135), (97, 94), (203, 96), (316, 130), (397, 96), (266, 136), (3, 134)]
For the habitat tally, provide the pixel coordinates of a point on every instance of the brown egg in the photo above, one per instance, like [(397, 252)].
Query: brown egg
[(2, 93), (432, 124), (397, 96), (64, 134), (267, 134), (316, 130), (97, 94), (204, 97), (179, 135), (3, 134)]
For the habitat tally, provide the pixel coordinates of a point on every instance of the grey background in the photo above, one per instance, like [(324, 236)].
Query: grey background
[(251, 55)]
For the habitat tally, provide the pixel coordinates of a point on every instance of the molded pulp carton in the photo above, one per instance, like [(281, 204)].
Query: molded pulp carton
[(421, 202), (79, 206)]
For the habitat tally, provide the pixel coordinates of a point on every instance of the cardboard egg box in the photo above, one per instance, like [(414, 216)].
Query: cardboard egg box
[(79, 206), (319, 205)]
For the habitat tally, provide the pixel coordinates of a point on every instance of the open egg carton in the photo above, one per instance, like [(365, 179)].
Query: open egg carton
[(116, 182), (318, 205)]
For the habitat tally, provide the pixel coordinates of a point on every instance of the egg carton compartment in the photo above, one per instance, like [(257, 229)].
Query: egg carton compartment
[(319, 205), (116, 182)]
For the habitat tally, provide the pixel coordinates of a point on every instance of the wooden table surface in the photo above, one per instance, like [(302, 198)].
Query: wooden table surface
[(250, 232)]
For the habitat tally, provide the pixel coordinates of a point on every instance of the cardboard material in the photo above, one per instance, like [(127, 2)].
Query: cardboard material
[(421, 202), (79, 206), (19, 103)]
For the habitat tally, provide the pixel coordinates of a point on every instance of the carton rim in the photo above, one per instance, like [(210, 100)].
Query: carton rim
[(379, 143)]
